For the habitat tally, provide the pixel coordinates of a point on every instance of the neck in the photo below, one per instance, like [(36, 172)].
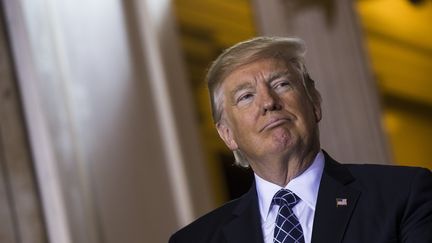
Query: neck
[(282, 170)]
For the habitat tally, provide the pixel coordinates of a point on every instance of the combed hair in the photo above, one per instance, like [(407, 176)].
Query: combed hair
[(289, 50)]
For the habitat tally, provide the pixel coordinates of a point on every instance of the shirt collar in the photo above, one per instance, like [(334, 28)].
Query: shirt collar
[(305, 186)]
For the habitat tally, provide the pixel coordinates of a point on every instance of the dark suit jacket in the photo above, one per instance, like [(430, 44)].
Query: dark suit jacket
[(384, 204)]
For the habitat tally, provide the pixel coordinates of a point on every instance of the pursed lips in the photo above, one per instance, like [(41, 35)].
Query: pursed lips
[(274, 122)]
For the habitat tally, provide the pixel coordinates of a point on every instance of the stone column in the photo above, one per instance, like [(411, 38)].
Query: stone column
[(351, 129), (110, 119)]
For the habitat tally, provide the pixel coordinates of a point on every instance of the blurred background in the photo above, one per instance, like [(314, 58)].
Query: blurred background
[(105, 127)]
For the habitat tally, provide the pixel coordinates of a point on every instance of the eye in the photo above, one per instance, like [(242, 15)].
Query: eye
[(245, 97), (281, 85)]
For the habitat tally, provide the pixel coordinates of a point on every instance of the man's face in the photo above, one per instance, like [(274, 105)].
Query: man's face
[(267, 112)]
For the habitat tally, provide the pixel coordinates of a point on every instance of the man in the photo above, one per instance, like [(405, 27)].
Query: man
[(266, 110)]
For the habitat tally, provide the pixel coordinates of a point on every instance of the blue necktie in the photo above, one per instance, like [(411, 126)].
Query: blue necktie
[(287, 228)]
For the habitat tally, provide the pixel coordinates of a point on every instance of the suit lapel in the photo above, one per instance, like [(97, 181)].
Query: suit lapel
[(246, 223), (331, 218)]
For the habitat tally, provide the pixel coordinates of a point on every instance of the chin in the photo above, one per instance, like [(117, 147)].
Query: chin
[(283, 139), (282, 147)]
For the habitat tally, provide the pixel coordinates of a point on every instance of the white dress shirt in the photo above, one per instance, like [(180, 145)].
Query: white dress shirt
[(305, 186)]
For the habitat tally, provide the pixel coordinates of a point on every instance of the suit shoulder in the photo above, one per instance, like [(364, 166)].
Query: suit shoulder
[(393, 170), (206, 226), (390, 175), (401, 195)]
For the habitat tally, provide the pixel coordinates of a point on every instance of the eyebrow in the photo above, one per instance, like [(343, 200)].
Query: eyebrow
[(242, 86), (277, 75), (272, 77)]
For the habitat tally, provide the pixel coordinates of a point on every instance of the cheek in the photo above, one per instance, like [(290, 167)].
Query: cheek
[(304, 110), (241, 117), (244, 127)]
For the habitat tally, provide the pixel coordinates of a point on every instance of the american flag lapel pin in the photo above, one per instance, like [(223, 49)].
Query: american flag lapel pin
[(341, 202)]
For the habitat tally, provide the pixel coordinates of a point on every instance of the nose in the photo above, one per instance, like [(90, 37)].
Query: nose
[(269, 100)]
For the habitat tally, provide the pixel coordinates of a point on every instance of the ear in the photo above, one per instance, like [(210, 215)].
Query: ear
[(227, 136), (316, 103), (317, 111)]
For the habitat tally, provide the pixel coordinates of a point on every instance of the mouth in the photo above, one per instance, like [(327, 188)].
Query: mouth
[(272, 123)]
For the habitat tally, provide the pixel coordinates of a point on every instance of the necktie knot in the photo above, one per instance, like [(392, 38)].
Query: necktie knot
[(285, 197)]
